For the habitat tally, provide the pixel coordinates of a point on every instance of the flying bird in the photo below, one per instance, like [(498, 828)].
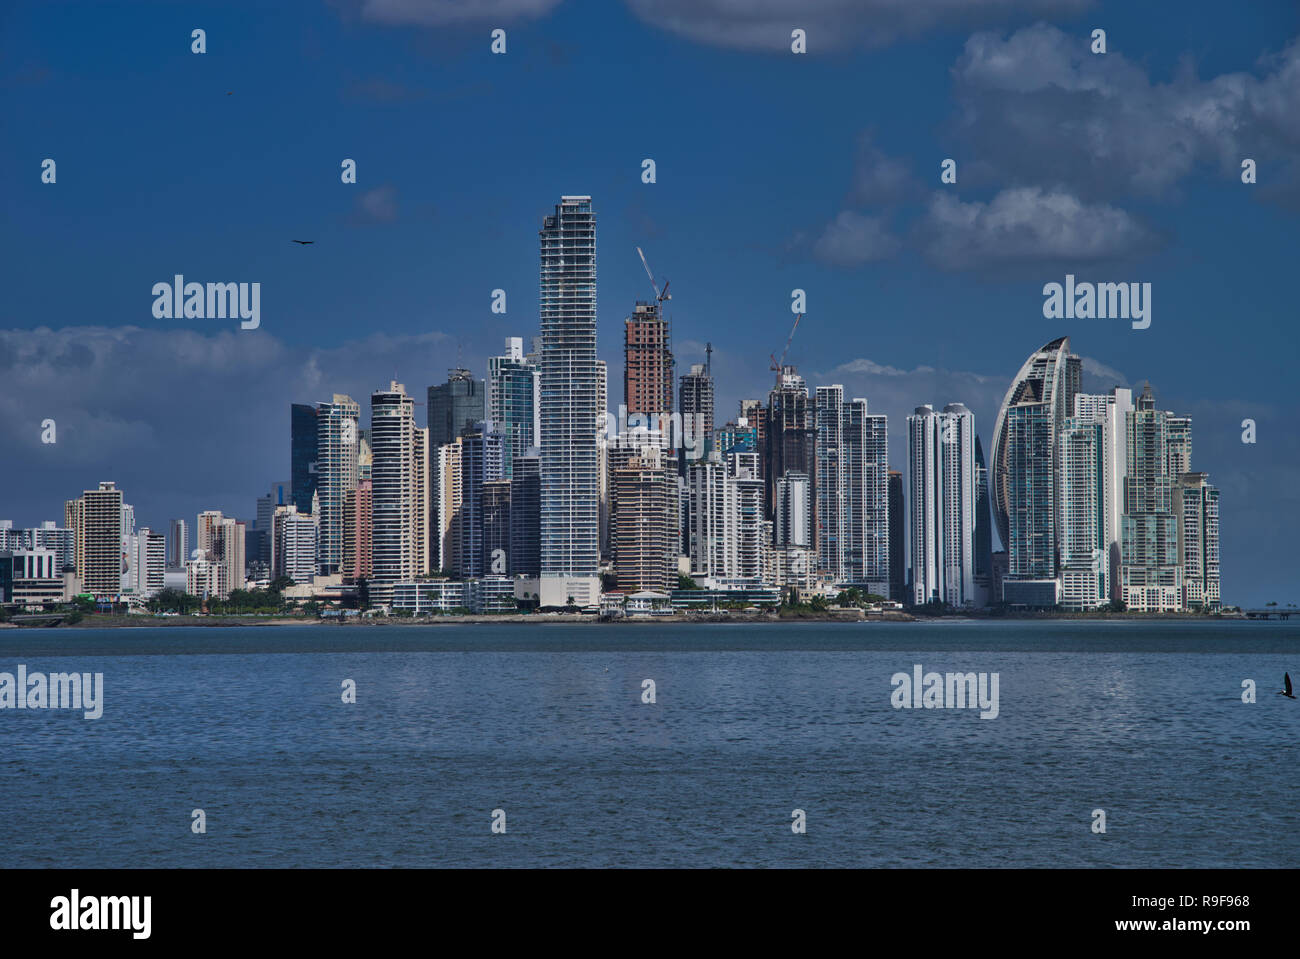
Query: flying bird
[(304, 242), (1286, 692), (230, 93)]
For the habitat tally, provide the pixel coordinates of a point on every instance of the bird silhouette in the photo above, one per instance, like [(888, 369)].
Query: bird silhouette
[(1286, 692), (304, 242)]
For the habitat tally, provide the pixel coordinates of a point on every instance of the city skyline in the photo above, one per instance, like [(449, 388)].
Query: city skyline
[(189, 415)]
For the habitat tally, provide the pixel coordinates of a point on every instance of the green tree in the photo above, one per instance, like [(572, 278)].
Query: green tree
[(685, 582)]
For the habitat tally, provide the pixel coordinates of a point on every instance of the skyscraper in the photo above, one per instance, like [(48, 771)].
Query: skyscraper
[(496, 527), (99, 541), (394, 490), (897, 539), (1151, 575), (1196, 506), (512, 394), (303, 439), (455, 405), (1083, 531), (790, 431), (695, 397), (1043, 392), (358, 532), (178, 544), (336, 473), (647, 361), (983, 530), (450, 503), (646, 540), (293, 543), (525, 515), (1111, 410), (480, 464), (941, 456), (793, 525), (570, 396), (727, 545)]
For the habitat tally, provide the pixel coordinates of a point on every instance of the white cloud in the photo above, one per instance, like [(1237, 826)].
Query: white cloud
[(830, 24), (1028, 224), (1039, 105), (852, 239)]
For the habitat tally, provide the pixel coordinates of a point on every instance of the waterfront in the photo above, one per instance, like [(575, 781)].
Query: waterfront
[(1144, 720)]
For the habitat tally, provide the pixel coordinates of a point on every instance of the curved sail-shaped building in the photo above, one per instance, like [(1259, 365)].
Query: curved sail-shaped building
[(1025, 468)]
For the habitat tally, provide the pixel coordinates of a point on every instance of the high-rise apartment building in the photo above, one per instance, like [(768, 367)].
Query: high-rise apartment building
[(941, 456), (793, 525), (450, 500), (98, 516), (480, 464), (645, 535), (728, 543), (358, 532), (1026, 504), (1196, 507), (337, 425), (1151, 575), (790, 431), (293, 543), (302, 467), (1083, 530), (513, 391), (696, 404), (525, 515), (394, 491), (571, 387), (647, 361), (1111, 411), (178, 544), (455, 406), (220, 542), (897, 539)]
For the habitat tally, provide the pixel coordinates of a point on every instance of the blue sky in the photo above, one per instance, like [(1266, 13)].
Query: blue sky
[(774, 171)]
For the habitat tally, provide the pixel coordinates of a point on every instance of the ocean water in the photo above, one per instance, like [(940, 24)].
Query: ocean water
[(547, 723)]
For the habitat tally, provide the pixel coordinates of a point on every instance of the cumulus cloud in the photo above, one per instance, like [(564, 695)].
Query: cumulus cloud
[(1040, 102), (878, 178), (1028, 224), (179, 418), (830, 24), (852, 239)]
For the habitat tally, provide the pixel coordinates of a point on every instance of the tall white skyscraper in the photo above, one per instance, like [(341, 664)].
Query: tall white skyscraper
[(1083, 527), (336, 469), (852, 490), (728, 539), (941, 459), (571, 389), (395, 490)]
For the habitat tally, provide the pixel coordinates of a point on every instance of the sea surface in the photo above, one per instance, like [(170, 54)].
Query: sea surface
[(547, 724)]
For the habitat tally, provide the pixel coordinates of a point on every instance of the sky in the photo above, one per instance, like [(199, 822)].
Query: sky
[(774, 171)]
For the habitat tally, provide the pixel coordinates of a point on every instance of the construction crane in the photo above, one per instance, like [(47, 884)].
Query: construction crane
[(779, 365), (660, 296)]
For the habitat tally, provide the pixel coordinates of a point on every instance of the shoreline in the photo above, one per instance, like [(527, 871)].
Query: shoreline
[(95, 621)]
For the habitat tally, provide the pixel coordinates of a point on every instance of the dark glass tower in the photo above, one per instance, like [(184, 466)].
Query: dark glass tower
[(303, 445)]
